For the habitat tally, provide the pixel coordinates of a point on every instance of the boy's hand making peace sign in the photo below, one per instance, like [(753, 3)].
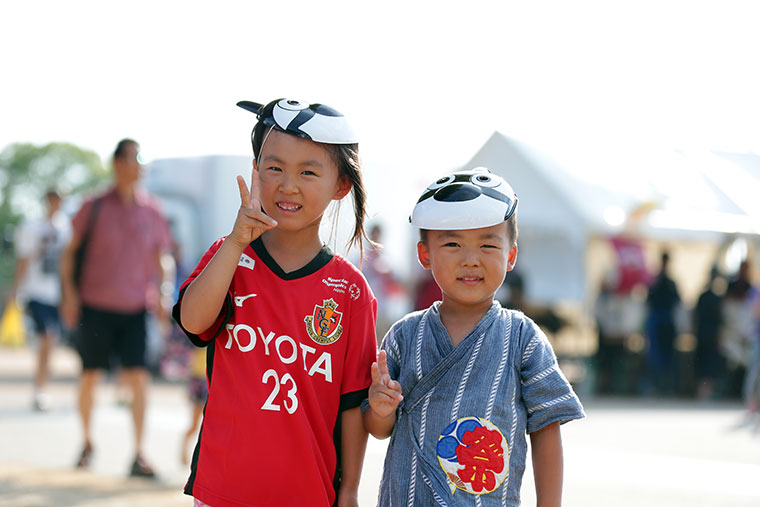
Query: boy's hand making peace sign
[(384, 393), (251, 221)]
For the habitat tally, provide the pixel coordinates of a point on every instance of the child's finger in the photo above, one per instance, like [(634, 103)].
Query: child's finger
[(245, 197), (389, 393), (375, 374), (264, 220), (382, 362)]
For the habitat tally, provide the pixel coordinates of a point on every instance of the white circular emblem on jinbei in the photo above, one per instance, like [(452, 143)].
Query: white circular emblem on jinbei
[(474, 454)]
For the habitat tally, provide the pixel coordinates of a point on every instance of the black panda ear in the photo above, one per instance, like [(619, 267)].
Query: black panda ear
[(253, 107), (511, 210)]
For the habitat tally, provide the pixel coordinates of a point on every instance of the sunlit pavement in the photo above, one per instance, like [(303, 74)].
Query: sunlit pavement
[(626, 453)]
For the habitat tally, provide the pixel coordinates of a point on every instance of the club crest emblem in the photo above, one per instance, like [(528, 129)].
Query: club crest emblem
[(474, 455), (324, 324)]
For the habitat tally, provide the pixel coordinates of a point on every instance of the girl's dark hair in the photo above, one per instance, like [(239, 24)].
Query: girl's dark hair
[(346, 157)]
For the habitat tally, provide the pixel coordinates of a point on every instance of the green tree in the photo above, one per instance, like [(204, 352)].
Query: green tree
[(27, 171)]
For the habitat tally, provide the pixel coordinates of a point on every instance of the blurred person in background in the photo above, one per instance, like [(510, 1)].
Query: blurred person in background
[(737, 329), (663, 302), (127, 249), (426, 291), (708, 319), (611, 351), (36, 283), (390, 293), (752, 381), (746, 297)]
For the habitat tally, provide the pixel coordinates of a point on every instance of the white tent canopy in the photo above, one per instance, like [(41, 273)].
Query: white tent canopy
[(563, 205)]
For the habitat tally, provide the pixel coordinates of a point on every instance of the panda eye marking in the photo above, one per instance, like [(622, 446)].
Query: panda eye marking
[(484, 180), (292, 105), (442, 182)]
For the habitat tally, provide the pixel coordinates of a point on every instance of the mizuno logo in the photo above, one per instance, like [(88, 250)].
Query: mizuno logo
[(239, 299)]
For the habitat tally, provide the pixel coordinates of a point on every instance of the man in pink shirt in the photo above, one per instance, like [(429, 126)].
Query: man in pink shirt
[(127, 252)]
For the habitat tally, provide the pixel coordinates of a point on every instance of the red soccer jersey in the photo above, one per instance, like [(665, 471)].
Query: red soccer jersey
[(287, 354)]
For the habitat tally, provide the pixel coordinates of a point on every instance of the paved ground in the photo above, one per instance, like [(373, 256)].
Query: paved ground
[(626, 453)]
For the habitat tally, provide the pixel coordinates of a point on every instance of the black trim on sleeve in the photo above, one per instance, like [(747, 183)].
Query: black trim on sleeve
[(353, 399), (196, 452), (188, 489), (194, 338), (324, 256), (337, 441)]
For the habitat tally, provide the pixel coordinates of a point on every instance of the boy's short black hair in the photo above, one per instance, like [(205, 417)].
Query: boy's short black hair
[(511, 230)]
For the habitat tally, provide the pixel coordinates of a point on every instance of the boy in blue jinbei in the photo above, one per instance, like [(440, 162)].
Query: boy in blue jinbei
[(457, 386)]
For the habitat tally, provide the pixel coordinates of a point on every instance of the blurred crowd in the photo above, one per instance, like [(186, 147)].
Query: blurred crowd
[(651, 343)]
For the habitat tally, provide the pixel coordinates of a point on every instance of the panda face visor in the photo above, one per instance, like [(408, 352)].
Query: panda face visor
[(465, 200), (315, 122)]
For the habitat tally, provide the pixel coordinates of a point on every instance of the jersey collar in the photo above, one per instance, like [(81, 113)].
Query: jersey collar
[(319, 261)]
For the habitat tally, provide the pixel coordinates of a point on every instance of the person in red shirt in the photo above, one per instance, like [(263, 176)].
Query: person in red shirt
[(289, 326), (126, 244)]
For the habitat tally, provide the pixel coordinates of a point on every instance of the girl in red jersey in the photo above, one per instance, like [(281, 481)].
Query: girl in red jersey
[(288, 325)]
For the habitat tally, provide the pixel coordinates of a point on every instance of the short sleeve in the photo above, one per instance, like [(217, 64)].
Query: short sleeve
[(361, 353), (26, 241), (547, 395), (213, 331)]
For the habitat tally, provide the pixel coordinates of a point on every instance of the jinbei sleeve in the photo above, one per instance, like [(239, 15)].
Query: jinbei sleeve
[(547, 395)]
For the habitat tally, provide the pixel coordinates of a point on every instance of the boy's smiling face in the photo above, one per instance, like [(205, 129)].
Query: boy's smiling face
[(468, 265)]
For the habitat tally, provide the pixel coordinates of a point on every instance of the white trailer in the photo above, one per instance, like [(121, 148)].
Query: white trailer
[(200, 198)]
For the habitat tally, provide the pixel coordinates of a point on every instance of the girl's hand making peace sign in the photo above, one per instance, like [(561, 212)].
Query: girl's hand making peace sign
[(251, 221)]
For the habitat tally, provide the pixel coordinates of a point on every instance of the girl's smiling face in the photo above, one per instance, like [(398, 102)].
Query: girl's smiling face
[(298, 180)]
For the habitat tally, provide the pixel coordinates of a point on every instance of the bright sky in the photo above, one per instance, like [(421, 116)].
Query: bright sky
[(424, 83)]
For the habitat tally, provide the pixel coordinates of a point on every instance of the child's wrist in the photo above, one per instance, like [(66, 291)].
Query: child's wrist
[(236, 243), (390, 416)]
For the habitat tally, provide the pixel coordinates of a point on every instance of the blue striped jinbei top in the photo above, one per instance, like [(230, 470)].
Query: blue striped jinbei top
[(459, 437)]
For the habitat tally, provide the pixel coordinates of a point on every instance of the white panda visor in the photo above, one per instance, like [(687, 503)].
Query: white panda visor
[(315, 122), (465, 200)]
